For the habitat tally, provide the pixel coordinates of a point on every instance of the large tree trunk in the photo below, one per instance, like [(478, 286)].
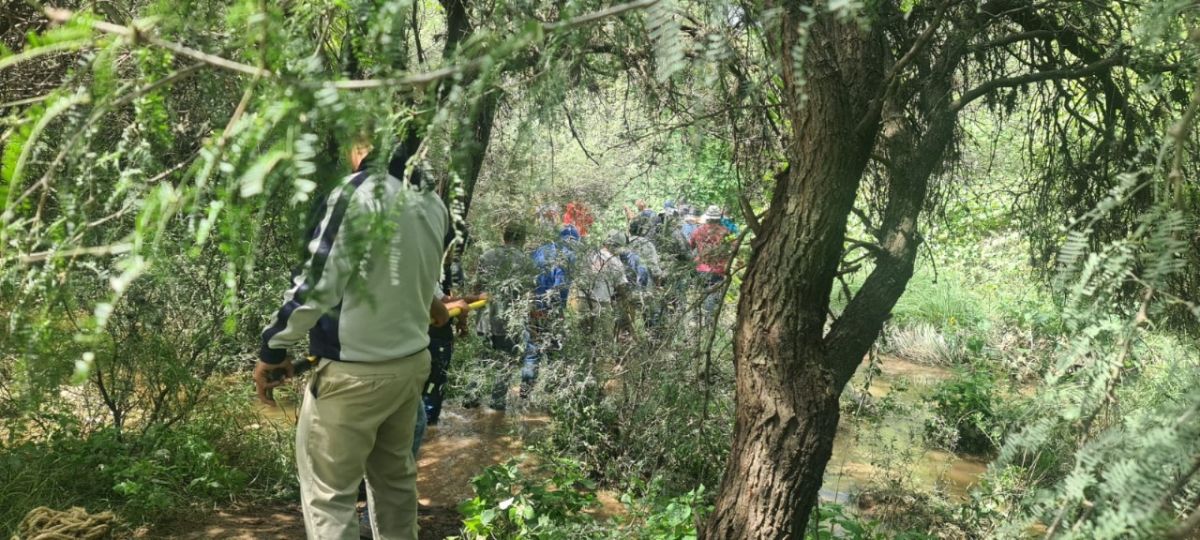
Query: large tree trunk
[(787, 379)]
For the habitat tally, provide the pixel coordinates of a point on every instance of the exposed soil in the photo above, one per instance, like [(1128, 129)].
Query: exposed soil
[(283, 521), (459, 448)]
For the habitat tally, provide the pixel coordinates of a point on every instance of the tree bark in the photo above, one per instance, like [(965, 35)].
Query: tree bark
[(787, 381)]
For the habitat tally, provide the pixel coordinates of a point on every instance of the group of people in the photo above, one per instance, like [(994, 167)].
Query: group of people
[(374, 297), (628, 272)]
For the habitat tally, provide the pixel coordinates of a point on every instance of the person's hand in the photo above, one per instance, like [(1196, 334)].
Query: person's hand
[(462, 327), (462, 306), (268, 376), (438, 313)]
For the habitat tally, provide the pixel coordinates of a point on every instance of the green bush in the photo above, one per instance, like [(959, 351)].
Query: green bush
[(833, 521), (673, 518), (968, 414), (511, 504), (150, 476)]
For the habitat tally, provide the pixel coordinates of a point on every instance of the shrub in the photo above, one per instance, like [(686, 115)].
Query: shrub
[(673, 518), (511, 504), (155, 475), (833, 521), (967, 413), (919, 342)]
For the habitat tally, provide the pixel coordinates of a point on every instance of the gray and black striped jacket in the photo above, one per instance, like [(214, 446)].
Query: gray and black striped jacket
[(373, 260)]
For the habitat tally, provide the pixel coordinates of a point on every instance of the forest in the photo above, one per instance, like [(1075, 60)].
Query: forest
[(712, 269)]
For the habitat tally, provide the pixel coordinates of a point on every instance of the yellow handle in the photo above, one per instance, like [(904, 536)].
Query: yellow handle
[(474, 305)]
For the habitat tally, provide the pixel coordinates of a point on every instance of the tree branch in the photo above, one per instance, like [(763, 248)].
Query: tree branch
[(891, 80), (113, 249), (416, 80), (575, 135), (1037, 76), (598, 15), (1013, 38)]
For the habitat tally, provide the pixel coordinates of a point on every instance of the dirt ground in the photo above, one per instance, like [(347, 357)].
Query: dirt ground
[(280, 522), (466, 442), (271, 522)]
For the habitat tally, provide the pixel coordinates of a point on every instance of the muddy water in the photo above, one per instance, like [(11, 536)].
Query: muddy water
[(465, 442), (892, 449)]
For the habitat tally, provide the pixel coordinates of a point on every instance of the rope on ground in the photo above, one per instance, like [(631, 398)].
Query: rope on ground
[(43, 523)]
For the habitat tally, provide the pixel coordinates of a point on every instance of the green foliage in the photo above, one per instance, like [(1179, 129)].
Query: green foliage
[(548, 504), (676, 520), (662, 391), (165, 203), (221, 456), (668, 45), (1122, 474), (654, 516), (835, 522), (946, 303), (969, 413)]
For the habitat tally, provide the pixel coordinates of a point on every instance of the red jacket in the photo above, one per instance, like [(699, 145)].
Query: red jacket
[(712, 255), (578, 215)]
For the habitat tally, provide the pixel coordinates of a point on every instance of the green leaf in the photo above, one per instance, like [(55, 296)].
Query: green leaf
[(69, 37), (251, 182), (19, 150)]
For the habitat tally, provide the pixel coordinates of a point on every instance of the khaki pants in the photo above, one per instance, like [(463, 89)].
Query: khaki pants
[(360, 422)]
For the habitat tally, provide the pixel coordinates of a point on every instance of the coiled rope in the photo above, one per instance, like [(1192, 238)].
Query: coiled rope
[(43, 523)]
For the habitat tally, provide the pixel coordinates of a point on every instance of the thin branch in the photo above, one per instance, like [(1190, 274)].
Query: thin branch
[(575, 134), (416, 28), (111, 249), (44, 181), (26, 101), (712, 335), (598, 15), (1179, 133), (1037, 76), (135, 35), (1180, 483), (1014, 38), (892, 79)]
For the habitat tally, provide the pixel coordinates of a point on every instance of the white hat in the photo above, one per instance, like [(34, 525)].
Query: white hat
[(713, 213)]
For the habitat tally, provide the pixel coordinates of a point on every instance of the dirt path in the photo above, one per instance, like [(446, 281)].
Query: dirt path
[(465, 442), (284, 521)]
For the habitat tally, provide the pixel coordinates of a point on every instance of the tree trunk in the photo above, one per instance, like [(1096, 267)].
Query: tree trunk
[(788, 381), (471, 144)]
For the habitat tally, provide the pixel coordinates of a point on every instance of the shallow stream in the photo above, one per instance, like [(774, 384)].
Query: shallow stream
[(890, 449)]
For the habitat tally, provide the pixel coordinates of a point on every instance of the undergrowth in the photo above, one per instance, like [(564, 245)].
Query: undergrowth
[(221, 456)]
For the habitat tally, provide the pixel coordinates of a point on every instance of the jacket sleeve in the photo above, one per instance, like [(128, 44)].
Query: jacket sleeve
[(321, 283)]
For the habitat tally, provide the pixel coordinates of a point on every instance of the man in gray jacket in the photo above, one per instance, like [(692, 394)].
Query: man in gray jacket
[(364, 297)]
